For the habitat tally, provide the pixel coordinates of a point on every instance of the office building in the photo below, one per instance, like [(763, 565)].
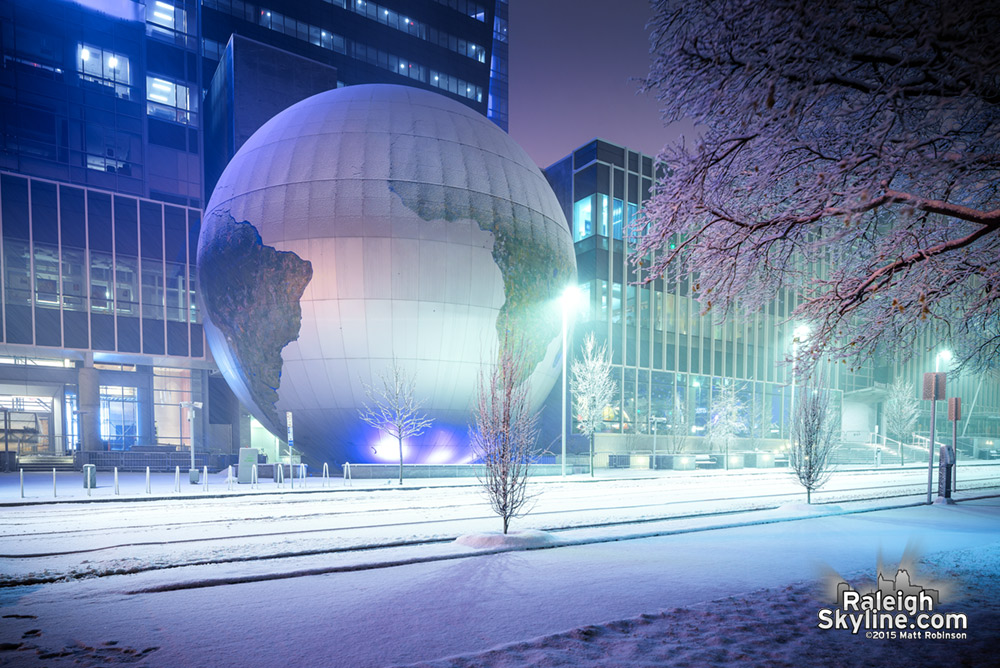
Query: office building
[(102, 183), (670, 360)]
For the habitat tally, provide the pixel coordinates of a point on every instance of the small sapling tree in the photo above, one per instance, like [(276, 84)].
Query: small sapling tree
[(901, 412), (593, 389), (813, 436), (392, 408), (505, 431)]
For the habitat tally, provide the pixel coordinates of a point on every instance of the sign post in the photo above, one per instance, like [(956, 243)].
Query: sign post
[(934, 390), (954, 414)]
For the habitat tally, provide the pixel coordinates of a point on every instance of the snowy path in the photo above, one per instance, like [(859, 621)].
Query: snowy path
[(425, 611)]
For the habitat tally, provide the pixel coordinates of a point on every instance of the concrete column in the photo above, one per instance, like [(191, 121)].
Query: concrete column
[(147, 420), (89, 399)]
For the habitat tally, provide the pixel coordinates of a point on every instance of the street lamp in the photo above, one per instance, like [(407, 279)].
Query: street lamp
[(798, 335), (943, 355), (570, 301)]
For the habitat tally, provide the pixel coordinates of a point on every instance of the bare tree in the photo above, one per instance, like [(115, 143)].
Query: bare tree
[(813, 434), (901, 411), (726, 419), (852, 140), (677, 429), (505, 431), (593, 389), (392, 408)]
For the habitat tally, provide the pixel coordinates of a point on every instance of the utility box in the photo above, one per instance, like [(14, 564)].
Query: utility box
[(89, 476), (194, 476), (248, 459)]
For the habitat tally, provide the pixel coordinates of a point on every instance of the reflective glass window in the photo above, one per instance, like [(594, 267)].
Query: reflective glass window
[(583, 218)]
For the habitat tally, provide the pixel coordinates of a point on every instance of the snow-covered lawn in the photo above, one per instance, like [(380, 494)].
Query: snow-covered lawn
[(769, 628), (374, 577)]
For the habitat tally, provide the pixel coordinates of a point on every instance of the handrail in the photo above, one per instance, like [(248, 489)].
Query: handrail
[(253, 477), (279, 474), (347, 473), (326, 475)]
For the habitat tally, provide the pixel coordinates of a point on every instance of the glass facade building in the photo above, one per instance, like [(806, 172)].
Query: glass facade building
[(102, 183), (671, 362), (454, 47)]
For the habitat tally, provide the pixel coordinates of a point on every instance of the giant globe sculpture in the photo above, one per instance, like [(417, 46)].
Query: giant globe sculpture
[(373, 223)]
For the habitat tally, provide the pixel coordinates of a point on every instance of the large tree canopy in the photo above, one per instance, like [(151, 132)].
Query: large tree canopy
[(860, 137)]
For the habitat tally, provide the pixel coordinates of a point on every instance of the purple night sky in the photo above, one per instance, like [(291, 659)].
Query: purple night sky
[(571, 62)]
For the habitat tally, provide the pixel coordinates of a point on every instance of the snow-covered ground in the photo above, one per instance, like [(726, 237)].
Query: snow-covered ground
[(372, 575)]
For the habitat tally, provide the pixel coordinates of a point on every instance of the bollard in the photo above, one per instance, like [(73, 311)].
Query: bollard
[(303, 474), (205, 488), (148, 488), (229, 478), (53, 483), (347, 473), (291, 472), (177, 480), (22, 483), (279, 475), (326, 474), (253, 477), (116, 481)]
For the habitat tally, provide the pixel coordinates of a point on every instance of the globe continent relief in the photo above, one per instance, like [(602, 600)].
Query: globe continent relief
[(372, 223)]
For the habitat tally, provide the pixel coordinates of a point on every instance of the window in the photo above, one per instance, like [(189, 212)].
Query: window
[(617, 218), (583, 219), (164, 17), (170, 388), (456, 86), (119, 416), (106, 68), (170, 101)]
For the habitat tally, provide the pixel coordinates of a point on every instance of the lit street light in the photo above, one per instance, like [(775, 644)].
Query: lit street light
[(943, 355), (570, 301)]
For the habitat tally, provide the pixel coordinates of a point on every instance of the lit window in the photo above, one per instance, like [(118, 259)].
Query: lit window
[(165, 17), (105, 68), (583, 219), (169, 101)]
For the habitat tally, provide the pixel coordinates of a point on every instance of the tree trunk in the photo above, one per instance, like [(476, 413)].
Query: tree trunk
[(809, 496), (591, 454), (400, 439), (506, 521)]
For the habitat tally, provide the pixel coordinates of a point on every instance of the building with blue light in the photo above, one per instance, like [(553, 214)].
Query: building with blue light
[(102, 185)]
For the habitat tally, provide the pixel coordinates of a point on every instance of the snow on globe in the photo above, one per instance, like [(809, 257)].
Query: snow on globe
[(369, 224)]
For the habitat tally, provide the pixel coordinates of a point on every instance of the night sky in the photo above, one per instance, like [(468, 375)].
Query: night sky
[(570, 65)]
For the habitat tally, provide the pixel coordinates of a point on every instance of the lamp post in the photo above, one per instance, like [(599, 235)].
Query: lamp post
[(569, 300)]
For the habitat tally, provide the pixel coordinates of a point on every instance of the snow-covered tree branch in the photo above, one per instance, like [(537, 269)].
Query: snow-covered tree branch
[(392, 408), (858, 140), (593, 389)]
